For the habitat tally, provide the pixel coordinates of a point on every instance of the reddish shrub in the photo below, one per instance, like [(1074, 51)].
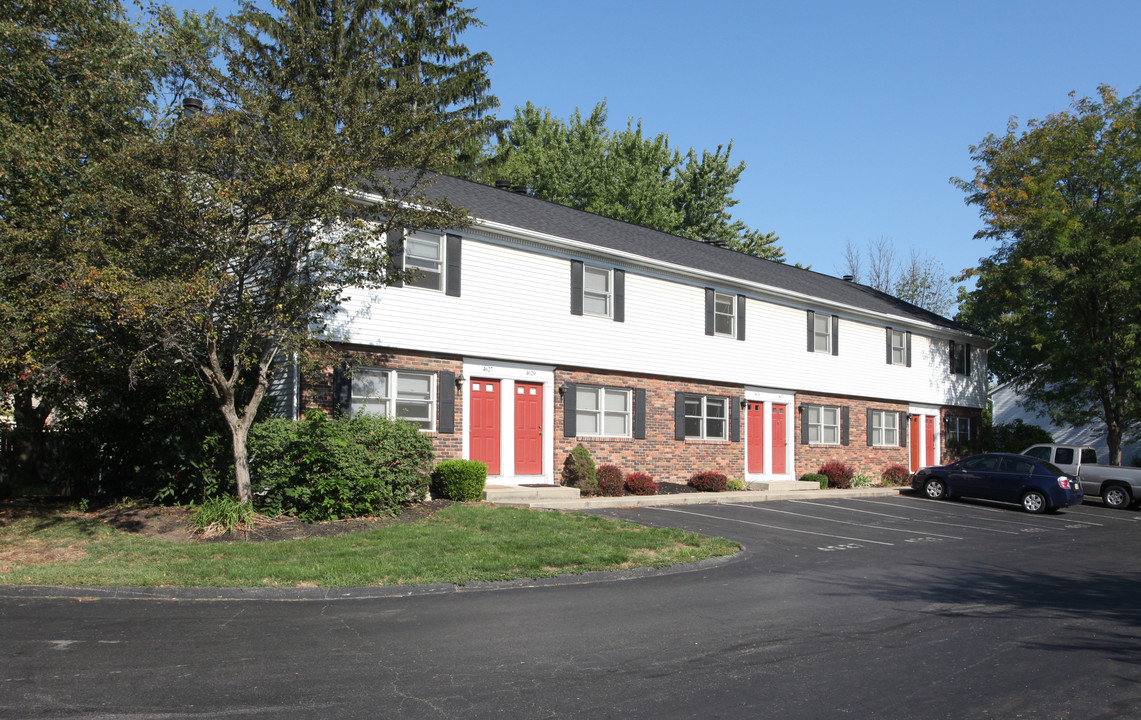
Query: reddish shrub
[(609, 480), (895, 475), (709, 481), (639, 483), (839, 474)]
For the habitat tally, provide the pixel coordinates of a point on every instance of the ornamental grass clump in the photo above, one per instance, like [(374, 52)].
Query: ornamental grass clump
[(709, 481), (895, 475), (610, 481), (579, 471), (640, 483), (839, 474), (222, 514), (459, 480)]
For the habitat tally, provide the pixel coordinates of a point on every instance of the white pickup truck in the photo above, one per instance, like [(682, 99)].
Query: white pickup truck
[(1117, 486)]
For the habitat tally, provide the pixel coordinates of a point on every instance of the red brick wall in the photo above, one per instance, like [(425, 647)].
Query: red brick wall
[(856, 454), (317, 389), (659, 454)]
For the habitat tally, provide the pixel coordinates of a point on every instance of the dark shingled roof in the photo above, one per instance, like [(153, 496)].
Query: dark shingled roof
[(529, 213)]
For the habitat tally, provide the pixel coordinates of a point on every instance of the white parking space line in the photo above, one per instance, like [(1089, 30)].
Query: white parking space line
[(954, 515), (904, 518), (970, 507), (770, 527), (1107, 515), (833, 520)]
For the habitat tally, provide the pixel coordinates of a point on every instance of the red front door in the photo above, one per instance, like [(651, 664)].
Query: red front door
[(780, 440), (930, 422), (484, 438), (528, 428), (755, 445), (915, 437)]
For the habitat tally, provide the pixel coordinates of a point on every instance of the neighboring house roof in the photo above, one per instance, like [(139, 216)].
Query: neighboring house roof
[(541, 216)]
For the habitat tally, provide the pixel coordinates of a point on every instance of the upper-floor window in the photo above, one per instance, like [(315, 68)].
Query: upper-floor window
[(823, 424), (425, 254), (884, 427), (823, 333), (706, 417), (603, 411), (898, 347), (960, 358), (399, 394), (724, 315), (596, 291)]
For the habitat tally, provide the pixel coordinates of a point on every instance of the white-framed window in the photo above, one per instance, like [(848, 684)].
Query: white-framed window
[(885, 428), (724, 314), (898, 347), (822, 333), (960, 360), (706, 418), (959, 429), (425, 253), (823, 425), (597, 291), (402, 394), (603, 411)]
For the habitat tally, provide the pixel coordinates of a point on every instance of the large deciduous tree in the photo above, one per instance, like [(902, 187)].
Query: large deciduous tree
[(1062, 293), (266, 207), (625, 175)]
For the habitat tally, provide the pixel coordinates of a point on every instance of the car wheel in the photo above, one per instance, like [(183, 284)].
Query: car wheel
[(935, 489), (1034, 502), (1116, 497)]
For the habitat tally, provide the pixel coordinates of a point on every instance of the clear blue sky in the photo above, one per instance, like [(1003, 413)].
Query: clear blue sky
[(851, 116)]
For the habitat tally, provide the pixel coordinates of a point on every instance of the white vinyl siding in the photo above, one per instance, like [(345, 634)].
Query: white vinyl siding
[(514, 308), (399, 394)]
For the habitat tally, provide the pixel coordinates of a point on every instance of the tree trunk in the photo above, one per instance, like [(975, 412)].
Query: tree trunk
[(240, 434), (1113, 441)]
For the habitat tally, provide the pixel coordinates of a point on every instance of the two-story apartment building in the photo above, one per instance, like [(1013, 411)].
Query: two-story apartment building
[(539, 327)]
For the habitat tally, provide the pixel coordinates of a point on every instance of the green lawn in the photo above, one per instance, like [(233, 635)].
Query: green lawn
[(460, 544)]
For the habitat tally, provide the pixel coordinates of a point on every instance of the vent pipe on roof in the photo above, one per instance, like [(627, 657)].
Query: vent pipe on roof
[(502, 184), (191, 105), (519, 189), (849, 278)]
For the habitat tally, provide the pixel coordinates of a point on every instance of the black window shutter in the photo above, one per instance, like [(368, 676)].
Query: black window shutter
[(679, 416), (889, 355), (454, 265), (570, 410), (735, 423), (709, 311), (844, 426), (576, 287), (869, 428), (811, 331), (967, 359), (804, 422), (446, 397), (952, 357), (396, 255), (740, 317), (903, 429), (907, 351), (640, 413), (342, 392), (619, 295), (835, 335)]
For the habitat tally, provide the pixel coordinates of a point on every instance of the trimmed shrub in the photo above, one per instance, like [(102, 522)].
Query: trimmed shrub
[(895, 475), (610, 480), (709, 481), (735, 484), (322, 469), (640, 483), (1013, 437), (839, 474), (821, 480), (579, 471), (459, 480)]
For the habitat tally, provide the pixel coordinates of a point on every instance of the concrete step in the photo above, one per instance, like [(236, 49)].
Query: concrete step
[(524, 495), (782, 485)]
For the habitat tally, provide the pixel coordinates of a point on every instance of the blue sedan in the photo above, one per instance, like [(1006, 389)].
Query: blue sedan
[(1036, 485)]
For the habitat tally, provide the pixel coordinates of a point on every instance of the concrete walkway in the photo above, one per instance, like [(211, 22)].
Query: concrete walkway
[(553, 497)]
